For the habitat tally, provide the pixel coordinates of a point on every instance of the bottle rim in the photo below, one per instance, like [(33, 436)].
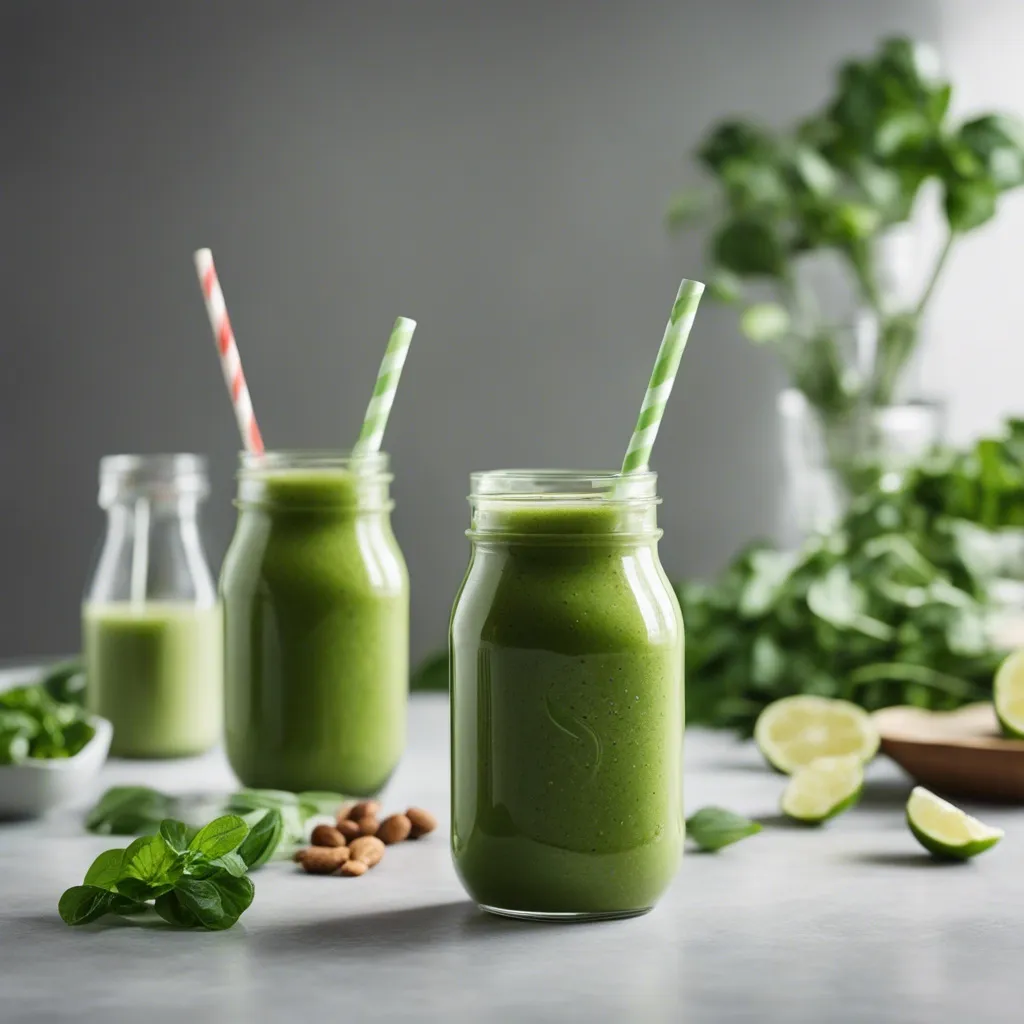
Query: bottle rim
[(162, 476), (564, 486)]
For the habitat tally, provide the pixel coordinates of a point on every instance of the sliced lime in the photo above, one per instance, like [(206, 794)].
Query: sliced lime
[(795, 731), (823, 789), (946, 831), (1008, 695)]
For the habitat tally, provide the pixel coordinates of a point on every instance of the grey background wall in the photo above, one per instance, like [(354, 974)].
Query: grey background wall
[(497, 170)]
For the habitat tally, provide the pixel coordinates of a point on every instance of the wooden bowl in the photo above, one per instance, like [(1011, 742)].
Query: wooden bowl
[(960, 753)]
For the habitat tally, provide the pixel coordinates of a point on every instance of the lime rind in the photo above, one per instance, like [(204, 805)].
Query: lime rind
[(823, 789), (1008, 695), (795, 731), (944, 830)]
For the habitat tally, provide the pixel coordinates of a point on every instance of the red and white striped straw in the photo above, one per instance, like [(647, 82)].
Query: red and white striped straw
[(230, 361)]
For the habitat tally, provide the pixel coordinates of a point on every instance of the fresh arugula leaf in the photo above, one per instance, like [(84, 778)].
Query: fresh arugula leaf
[(263, 839), (220, 836), (128, 810), (106, 869), (712, 828)]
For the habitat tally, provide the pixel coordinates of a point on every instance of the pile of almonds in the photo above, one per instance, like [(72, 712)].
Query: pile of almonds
[(356, 843)]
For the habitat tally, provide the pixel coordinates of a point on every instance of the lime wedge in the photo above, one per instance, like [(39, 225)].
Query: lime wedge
[(794, 731), (944, 830), (823, 789), (1008, 695)]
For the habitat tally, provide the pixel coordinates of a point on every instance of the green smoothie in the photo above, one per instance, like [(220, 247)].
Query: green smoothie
[(155, 671), (567, 714), (316, 612)]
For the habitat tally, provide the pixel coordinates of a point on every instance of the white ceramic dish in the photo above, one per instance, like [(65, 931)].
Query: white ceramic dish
[(30, 789)]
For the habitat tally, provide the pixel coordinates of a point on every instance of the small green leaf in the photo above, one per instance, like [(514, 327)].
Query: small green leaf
[(126, 810), (969, 204), (711, 828), (150, 867), (263, 839), (216, 902), (750, 246), (231, 863), (106, 870), (82, 904), (177, 834), (220, 836), (173, 911), (765, 322), (320, 801), (724, 286)]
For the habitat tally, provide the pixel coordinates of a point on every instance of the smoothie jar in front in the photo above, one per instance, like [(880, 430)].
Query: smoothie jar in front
[(151, 625), (316, 616), (567, 699)]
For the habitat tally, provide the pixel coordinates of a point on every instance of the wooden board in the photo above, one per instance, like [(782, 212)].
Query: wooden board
[(960, 753)]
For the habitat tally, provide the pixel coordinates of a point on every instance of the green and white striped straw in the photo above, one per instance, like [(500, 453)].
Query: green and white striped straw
[(377, 412), (638, 454)]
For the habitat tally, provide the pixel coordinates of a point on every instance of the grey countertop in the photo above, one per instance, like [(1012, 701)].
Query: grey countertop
[(845, 923)]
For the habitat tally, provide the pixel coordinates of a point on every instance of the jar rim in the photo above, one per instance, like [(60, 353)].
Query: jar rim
[(165, 475), (362, 463), (560, 485)]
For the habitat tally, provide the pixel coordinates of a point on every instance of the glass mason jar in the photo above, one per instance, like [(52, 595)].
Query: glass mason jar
[(151, 621), (825, 462), (567, 699), (316, 612)]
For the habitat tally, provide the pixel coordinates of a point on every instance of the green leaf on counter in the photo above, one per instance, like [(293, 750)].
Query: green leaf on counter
[(712, 828)]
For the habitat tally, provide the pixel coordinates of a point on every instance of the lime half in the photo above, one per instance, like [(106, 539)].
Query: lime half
[(794, 731), (823, 789), (944, 830), (1008, 695)]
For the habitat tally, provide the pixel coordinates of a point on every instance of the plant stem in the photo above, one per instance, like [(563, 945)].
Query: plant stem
[(940, 263)]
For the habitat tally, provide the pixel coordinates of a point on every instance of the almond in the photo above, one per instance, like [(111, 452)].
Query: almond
[(353, 868), (364, 809), (368, 825), (422, 822), (327, 835), (349, 829), (322, 860), (394, 829), (368, 849)]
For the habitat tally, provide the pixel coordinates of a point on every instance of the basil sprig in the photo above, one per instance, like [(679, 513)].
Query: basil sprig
[(192, 878)]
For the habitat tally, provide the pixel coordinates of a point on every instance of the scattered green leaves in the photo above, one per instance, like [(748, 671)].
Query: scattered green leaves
[(712, 828), (202, 884), (128, 810)]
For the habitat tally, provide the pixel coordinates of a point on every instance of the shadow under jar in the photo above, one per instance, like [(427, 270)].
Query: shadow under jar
[(567, 699), (316, 611)]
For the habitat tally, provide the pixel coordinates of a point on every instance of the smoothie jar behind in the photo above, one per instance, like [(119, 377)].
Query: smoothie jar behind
[(151, 622), (316, 611), (567, 702)]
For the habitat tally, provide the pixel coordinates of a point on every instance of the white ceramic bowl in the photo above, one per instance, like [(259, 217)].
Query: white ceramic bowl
[(38, 785)]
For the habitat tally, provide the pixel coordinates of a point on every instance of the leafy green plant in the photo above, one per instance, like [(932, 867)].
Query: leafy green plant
[(889, 608), (839, 180), (35, 725), (192, 878)]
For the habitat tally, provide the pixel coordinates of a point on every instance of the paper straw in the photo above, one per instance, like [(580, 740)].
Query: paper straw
[(377, 412), (638, 454), (140, 552), (230, 361)]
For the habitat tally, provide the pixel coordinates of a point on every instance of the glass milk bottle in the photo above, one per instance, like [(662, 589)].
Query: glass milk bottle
[(151, 620)]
